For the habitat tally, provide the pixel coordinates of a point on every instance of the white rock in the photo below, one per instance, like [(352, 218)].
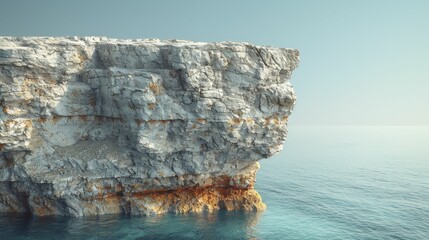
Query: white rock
[(85, 120)]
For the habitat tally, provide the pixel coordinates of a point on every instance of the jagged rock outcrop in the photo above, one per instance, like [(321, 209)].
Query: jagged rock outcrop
[(93, 126)]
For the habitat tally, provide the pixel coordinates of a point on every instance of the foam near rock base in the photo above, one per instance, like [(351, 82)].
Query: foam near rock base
[(92, 126)]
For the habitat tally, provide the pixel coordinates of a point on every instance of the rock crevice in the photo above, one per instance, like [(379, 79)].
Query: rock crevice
[(93, 125)]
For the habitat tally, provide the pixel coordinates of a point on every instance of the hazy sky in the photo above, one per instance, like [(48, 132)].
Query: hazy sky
[(362, 62)]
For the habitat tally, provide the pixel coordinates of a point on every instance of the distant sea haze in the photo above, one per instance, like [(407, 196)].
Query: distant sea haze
[(327, 183)]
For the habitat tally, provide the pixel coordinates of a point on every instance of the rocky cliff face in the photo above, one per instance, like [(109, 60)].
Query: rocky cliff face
[(94, 126)]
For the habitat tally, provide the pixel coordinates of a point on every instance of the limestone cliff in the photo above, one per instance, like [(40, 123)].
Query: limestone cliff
[(94, 126)]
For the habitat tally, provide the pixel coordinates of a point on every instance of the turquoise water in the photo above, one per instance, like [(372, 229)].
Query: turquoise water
[(328, 183)]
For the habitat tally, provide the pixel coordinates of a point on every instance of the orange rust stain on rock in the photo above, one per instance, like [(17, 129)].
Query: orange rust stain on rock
[(218, 195), (43, 211), (5, 109), (82, 57), (155, 88), (139, 121), (275, 120), (28, 123), (222, 181), (119, 187), (203, 199), (158, 121), (267, 122), (43, 119), (1, 146), (83, 117), (165, 121), (56, 118), (250, 120), (236, 120), (52, 81), (29, 81), (201, 120), (9, 123)]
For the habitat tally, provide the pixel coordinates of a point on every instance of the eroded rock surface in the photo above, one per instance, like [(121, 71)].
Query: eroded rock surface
[(93, 126)]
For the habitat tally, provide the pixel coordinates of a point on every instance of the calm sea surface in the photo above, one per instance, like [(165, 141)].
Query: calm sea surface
[(328, 183)]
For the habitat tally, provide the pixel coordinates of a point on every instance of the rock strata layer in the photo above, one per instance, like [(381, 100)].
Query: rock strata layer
[(94, 126)]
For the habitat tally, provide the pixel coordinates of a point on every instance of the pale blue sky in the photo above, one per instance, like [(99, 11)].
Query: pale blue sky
[(362, 62)]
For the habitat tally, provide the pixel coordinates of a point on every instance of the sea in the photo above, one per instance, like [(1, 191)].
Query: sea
[(329, 182)]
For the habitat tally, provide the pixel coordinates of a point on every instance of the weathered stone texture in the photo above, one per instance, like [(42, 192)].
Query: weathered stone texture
[(94, 125)]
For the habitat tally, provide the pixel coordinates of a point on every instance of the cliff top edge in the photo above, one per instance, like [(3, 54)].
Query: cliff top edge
[(89, 40)]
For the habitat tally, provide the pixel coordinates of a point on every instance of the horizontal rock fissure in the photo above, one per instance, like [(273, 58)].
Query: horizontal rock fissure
[(274, 118)]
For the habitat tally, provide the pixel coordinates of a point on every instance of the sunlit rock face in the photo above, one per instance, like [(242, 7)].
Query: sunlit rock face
[(93, 126)]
